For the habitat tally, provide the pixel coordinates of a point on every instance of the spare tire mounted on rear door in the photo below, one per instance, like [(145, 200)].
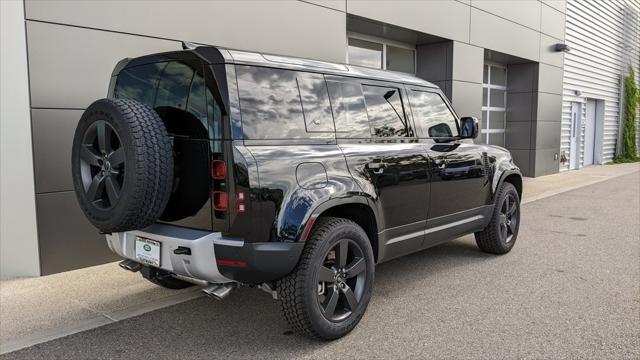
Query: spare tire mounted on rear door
[(122, 165)]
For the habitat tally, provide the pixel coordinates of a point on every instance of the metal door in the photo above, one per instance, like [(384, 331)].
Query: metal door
[(589, 132), (576, 124)]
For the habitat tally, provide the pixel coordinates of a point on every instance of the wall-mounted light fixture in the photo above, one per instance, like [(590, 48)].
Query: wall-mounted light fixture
[(560, 47), (577, 92)]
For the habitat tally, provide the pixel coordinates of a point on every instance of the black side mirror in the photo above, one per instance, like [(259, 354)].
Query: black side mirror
[(469, 127)]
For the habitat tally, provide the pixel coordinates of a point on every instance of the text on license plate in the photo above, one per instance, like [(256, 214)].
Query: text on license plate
[(148, 251)]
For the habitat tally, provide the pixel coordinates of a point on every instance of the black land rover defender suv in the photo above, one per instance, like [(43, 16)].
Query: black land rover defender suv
[(224, 168)]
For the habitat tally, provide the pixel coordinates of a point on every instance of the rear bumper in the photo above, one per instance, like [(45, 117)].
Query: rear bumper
[(212, 257), (200, 264)]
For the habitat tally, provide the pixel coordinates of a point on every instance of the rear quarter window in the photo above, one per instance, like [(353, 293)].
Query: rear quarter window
[(283, 104), (179, 93), (349, 111)]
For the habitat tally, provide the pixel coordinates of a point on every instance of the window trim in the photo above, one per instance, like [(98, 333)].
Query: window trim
[(384, 43)]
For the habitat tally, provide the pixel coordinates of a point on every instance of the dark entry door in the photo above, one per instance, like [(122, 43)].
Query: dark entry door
[(457, 170), (385, 158)]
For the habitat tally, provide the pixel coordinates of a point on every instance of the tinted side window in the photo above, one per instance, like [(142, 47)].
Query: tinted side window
[(271, 103), (174, 86), (386, 115), (315, 102), (177, 91), (349, 113), (139, 82), (432, 115)]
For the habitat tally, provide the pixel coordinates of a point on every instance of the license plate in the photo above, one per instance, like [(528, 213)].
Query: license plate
[(148, 251)]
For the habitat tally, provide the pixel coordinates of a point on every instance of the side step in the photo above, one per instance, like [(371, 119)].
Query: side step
[(130, 265)]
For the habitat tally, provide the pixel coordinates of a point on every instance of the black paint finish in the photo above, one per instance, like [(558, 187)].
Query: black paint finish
[(416, 186)]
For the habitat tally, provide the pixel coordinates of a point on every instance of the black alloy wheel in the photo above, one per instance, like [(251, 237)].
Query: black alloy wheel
[(508, 218), (341, 280), (121, 165), (102, 164), (327, 294), (500, 235)]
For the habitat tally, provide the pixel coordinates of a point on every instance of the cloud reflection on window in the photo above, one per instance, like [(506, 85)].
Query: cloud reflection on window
[(272, 107), (431, 114)]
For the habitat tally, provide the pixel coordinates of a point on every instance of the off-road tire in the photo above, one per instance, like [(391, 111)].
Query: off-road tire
[(489, 239), (298, 290), (148, 165)]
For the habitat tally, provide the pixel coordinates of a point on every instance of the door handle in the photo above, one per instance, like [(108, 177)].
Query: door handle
[(376, 167)]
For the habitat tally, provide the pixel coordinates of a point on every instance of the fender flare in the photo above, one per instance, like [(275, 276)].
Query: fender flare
[(503, 175), (309, 221)]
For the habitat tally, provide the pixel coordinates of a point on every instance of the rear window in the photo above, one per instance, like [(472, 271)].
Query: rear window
[(283, 104), (175, 90)]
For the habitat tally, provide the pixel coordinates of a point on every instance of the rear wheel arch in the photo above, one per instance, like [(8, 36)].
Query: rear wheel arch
[(357, 211)]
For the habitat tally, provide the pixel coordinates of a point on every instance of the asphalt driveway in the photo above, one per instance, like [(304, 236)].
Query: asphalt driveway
[(569, 289)]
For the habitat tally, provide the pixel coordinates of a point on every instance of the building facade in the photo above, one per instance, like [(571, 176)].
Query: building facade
[(604, 37), (501, 61)]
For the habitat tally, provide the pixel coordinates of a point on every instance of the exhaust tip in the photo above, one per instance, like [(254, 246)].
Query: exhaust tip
[(130, 265), (218, 292)]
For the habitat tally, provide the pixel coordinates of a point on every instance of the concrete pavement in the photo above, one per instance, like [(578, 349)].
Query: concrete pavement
[(570, 287)]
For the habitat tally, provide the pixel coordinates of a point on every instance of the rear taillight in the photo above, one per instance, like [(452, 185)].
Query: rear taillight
[(220, 201), (241, 202), (218, 169)]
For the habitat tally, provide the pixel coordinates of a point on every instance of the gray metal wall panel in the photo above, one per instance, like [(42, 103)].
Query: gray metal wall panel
[(447, 19), (546, 135), (548, 55), (544, 162), (603, 42), (468, 62), (518, 135), (560, 5), (67, 240), (52, 139), (520, 106), (70, 67), (434, 61), (283, 27), (466, 98), (550, 79), (524, 12), (495, 33), (549, 108), (340, 5), (552, 22)]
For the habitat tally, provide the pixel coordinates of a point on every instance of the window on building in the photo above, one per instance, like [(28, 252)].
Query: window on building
[(494, 104), (380, 54), (365, 53), (401, 59), (432, 115)]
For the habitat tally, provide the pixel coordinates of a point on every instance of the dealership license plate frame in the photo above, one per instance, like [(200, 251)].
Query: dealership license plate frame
[(151, 255)]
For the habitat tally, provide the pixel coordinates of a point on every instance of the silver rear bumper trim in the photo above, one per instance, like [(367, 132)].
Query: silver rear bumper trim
[(201, 264)]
